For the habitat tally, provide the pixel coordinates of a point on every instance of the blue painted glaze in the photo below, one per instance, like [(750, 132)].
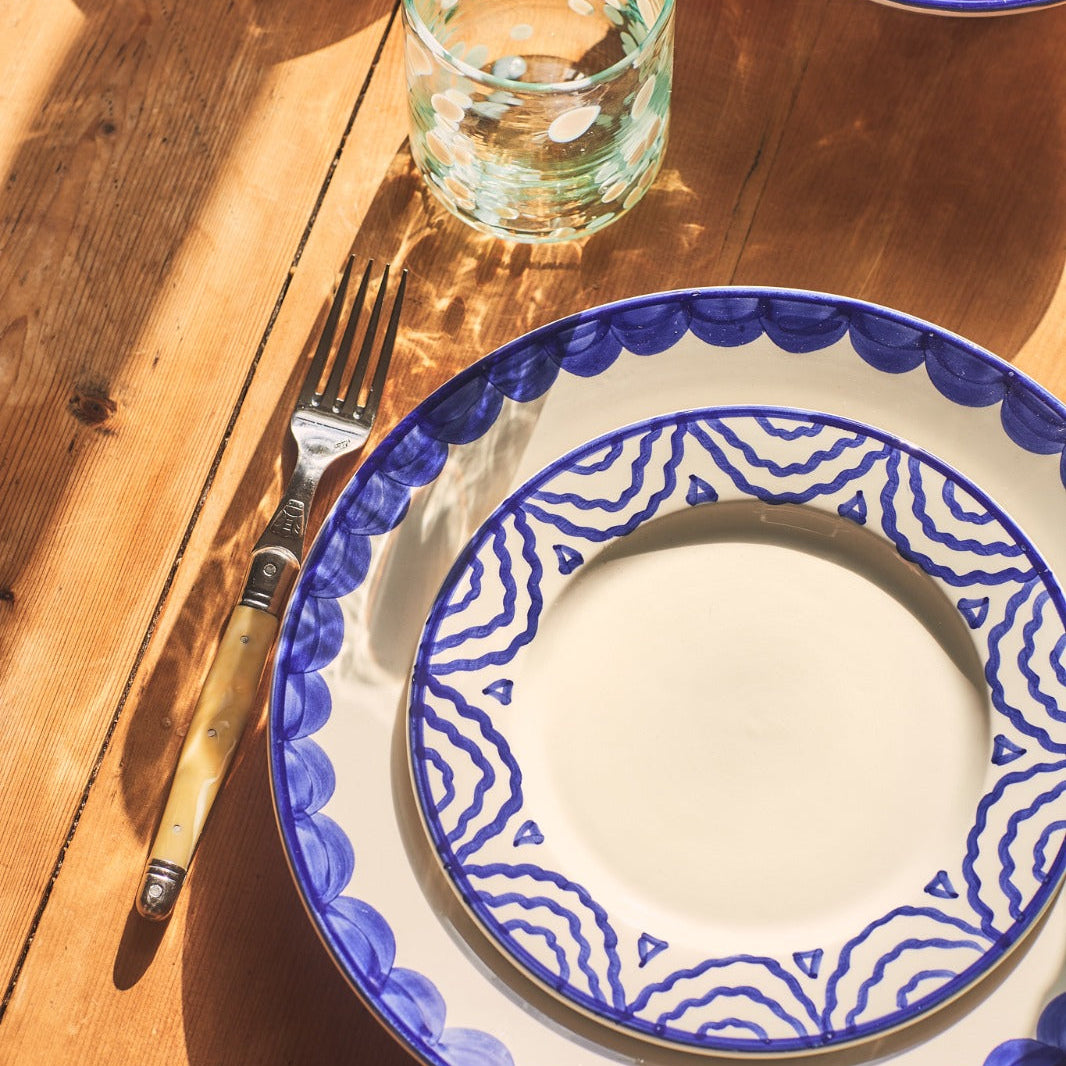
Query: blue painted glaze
[(1049, 1047)]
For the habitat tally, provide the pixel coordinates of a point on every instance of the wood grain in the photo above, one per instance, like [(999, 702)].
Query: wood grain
[(238, 967), (922, 169), (830, 144), (151, 208)]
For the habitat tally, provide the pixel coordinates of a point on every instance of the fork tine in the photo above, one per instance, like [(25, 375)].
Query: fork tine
[(359, 374), (331, 393), (370, 409), (325, 342)]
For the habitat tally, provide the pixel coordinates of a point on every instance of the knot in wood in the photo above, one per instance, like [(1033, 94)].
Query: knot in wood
[(91, 403)]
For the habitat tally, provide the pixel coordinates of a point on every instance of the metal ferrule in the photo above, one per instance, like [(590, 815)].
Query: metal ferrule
[(160, 888), (270, 579)]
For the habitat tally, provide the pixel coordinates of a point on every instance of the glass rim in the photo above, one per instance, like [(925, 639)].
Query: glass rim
[(494, 82)]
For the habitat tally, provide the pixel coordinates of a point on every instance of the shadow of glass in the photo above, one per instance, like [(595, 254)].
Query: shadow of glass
[(797, 528), (818, 166)]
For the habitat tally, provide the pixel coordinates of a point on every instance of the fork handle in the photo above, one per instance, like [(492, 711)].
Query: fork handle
[(218, 721)]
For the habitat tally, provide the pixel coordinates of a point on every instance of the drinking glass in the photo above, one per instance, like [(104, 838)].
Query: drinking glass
[(539, 120)]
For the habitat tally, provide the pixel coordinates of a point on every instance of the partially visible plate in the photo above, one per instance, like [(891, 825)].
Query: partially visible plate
[(972, 7), (348, 816), (720, 725)]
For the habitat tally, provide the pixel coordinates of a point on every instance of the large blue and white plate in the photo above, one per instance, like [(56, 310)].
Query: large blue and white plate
[(725, 727), (372, 882)]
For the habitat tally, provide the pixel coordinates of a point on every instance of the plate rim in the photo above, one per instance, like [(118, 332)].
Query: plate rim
[(972, 7)]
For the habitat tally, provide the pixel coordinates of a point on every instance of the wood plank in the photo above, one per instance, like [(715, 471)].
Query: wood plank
[(922, 169), (240, 933), (152, 202)]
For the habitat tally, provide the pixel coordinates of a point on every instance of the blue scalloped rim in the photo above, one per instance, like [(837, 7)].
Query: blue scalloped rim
[(376, 499)]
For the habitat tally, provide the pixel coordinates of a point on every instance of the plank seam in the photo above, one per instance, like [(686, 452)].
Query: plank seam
[(195, 516)]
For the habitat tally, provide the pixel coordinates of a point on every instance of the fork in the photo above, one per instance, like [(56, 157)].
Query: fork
[(325, 424)]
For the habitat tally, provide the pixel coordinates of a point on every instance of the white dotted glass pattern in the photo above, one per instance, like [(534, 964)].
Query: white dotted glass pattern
[(543, 120)]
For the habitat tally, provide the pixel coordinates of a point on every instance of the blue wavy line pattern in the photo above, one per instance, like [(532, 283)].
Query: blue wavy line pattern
[(414, 455), (606, 490)]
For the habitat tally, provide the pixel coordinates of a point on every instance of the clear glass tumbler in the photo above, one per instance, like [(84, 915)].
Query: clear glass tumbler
[(539, 120)]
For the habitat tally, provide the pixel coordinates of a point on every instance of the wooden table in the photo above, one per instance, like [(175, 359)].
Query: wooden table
[(181, 183)]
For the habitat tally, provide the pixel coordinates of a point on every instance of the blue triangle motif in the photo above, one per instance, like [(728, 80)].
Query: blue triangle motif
[(699, 491), (569, 558), (1005, 750), (855, 509), (974, 611), (500, 690), (528, 833), (941, 887), (810, 962), (649, 946)]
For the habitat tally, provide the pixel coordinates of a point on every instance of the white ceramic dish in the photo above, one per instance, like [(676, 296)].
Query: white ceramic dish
[(700, 728), (349, 819), (971, 7)]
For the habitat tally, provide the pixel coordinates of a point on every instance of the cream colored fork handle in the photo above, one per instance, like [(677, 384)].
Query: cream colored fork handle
[(218, 721)]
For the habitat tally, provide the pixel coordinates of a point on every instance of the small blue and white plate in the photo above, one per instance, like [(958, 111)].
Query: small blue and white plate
[(876, 796), (732, 728)]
